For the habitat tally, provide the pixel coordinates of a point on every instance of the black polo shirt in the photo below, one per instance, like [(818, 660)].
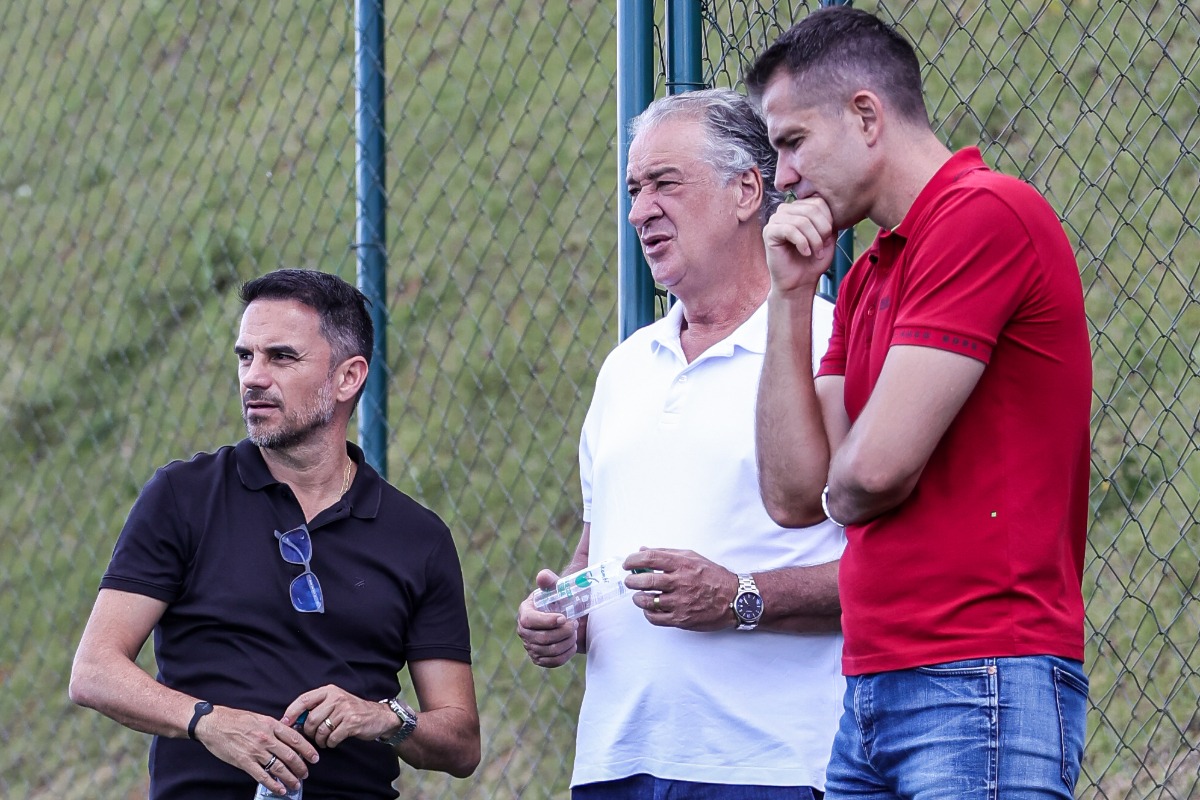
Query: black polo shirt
[(201, 537)]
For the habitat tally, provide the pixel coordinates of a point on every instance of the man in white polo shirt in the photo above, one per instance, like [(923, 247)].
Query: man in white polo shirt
[(721, 678)]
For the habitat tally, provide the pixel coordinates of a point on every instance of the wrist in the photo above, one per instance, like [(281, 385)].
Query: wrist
[(404, 721), (747, 603), (199, 712), (796, 293)]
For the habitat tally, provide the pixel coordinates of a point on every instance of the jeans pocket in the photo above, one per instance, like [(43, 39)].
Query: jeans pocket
[(1071, 694), (969, 668)]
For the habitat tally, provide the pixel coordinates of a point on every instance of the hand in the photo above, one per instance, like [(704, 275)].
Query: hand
[(800, 241), (249, 741), (549, 639), (335, 715), (692, 592)]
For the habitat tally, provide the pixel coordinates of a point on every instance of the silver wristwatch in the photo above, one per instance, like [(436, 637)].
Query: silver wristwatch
[(408, 721), (747, 604)]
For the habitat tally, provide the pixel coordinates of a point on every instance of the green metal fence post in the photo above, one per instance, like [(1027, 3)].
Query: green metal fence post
[(635, 90), (685, 59), (371, 233)]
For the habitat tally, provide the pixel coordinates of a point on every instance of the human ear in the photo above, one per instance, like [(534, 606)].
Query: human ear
[(866, 111), (352, 374), (750, 194)]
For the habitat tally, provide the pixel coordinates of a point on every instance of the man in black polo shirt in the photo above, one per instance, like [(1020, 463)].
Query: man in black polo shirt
[(286, 583)]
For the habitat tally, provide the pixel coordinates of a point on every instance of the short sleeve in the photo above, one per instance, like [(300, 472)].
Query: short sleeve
[(440, 628), (588, 437), (967, 275), (152, 553), (833, 358)]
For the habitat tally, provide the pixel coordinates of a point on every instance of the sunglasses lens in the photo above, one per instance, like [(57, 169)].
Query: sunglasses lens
[(295, 546), (306, 594)]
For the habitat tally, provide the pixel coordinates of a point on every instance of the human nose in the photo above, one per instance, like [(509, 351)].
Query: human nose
[(253, 372), (642, 209), (786, 175)]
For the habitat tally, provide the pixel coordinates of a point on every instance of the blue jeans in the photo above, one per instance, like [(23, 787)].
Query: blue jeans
[(983, 729), (648, 787)]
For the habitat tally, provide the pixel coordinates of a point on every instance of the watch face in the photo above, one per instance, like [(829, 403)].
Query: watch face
[(748, 606)]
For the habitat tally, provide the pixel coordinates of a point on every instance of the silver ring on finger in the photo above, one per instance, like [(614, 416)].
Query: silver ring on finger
[(657, 604), (328, 723), (267, 766)]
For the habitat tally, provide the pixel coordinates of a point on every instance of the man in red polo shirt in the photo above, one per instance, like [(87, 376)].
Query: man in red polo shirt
[(947, 429)]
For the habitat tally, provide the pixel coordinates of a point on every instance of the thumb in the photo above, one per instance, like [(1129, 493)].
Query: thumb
[(546, 579)]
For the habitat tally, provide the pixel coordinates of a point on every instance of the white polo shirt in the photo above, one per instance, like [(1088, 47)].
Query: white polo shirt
[(667, 459)]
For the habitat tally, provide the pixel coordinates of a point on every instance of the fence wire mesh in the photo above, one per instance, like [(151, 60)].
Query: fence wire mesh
[(153, 155)]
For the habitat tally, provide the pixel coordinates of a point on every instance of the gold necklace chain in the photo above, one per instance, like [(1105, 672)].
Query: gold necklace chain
[(346, 479)]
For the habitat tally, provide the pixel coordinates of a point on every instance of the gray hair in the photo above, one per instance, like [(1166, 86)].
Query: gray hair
[(736, 135)]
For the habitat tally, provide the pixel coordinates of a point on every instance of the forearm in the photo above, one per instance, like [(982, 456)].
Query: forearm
[(123, 691), (800, 599), (792, 446), (579, 560), (105, 675), (876, 467), (446, 740), (855, 497)]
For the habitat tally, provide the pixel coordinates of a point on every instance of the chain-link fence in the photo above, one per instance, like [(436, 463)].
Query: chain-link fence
[(153, 155)]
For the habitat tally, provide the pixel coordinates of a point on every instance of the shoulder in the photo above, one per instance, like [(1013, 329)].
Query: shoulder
[(637, 349), (403, 510), (983, 197), (199, 468)]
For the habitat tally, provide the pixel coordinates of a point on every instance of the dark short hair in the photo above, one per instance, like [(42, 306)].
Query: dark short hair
[(345, 321), (736, 135), (838, 50)]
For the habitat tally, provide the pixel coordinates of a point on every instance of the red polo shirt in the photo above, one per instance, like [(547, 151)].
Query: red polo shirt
[(985, 558)]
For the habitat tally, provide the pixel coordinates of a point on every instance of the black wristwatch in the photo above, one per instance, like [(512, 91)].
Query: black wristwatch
[(408, 721), (747, 604), (202, 708)]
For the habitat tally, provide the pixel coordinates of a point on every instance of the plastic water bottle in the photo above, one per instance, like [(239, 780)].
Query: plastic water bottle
[(579, 593), (263, 793)]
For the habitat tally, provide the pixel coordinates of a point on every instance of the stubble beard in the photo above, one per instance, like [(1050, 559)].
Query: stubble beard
[(292, 432)]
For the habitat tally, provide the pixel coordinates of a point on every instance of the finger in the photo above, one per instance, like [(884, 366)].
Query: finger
[(551, 656), (801, 235), (275, 773), (651, 602), (546, 579), (305, 702), (529, 619), (656, 558), (549, 636), (331, 732), (299, 745), (813, 208)]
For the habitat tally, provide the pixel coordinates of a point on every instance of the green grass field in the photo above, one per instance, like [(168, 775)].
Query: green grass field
[(154, 155)]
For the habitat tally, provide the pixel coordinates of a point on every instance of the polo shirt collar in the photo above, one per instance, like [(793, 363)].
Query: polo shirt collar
[(750, 336), (964, 161), (365, 493)]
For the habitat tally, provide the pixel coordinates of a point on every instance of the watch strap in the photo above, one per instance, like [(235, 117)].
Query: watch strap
[(408, 721), (746, 585), (201, 709)]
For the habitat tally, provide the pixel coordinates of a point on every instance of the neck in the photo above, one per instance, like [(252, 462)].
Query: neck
[(316, 469), (708, 319), (917, 157)]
